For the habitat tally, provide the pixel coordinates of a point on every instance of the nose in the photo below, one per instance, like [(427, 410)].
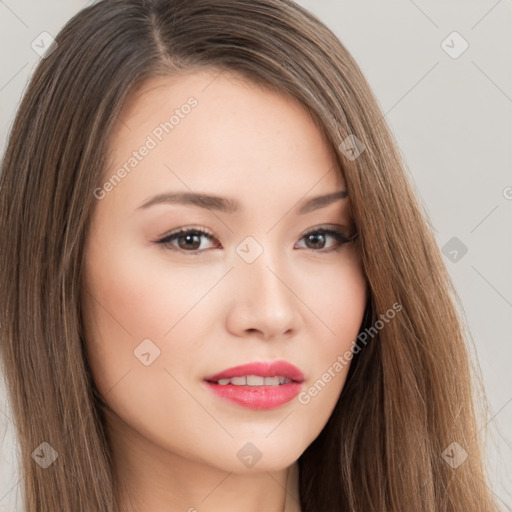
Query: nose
[(263, 302)]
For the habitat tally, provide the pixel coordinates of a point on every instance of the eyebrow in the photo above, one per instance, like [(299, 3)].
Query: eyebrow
[(229, 205)]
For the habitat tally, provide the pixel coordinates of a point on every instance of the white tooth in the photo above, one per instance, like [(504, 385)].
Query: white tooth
[(255, 380), (238, 381)]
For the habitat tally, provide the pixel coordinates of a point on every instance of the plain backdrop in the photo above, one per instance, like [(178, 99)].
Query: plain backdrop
[(448, 100)]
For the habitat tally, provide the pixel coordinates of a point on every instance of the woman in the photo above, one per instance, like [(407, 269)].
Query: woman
[(265, 369)]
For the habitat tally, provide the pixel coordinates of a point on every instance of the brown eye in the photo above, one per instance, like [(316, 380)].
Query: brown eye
[(189, 240), (317, 239)]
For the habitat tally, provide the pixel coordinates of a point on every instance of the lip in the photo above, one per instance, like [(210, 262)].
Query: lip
[(258, 397), (264, 369)]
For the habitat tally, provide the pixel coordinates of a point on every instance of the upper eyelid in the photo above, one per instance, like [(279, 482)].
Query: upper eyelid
[(202, 230)]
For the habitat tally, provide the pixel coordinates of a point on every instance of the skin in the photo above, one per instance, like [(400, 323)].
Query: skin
[(174, 442)]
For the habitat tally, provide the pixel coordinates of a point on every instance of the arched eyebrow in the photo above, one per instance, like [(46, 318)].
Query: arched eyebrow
[(230, 205)]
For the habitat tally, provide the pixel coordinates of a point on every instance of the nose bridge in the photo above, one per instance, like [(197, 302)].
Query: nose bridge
[(264, 263), (264, 294)]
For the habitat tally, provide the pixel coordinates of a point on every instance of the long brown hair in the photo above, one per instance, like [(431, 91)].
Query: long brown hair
[(408, 395)]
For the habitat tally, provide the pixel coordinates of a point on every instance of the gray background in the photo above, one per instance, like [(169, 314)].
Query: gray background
[(452, 120)]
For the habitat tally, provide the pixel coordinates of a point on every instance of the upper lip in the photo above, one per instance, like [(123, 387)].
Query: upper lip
[(263, 369)]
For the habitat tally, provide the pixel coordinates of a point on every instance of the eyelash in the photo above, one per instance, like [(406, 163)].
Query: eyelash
[(340, 237)]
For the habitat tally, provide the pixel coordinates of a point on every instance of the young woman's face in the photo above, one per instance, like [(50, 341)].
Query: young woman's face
[(160, 318)]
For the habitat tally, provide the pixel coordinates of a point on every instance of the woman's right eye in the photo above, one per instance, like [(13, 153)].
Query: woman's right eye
[(189, 240)]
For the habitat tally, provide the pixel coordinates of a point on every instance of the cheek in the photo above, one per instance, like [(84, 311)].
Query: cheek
[(132, 299), (338, 301), (145, 293), (337, 296), (138, 312)]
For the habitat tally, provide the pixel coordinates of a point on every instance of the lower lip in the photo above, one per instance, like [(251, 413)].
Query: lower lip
[(257, 397)]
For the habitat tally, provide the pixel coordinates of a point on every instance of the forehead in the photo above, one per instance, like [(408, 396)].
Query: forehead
[(238, 136)]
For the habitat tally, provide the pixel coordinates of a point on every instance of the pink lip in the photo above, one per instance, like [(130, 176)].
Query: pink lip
[(258, 397)]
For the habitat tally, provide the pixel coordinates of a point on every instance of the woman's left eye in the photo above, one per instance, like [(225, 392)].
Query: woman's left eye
[(321, 234), (189, 240)]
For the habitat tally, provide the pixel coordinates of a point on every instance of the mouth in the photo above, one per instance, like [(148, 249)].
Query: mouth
[(257, 385), (253, 380)]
